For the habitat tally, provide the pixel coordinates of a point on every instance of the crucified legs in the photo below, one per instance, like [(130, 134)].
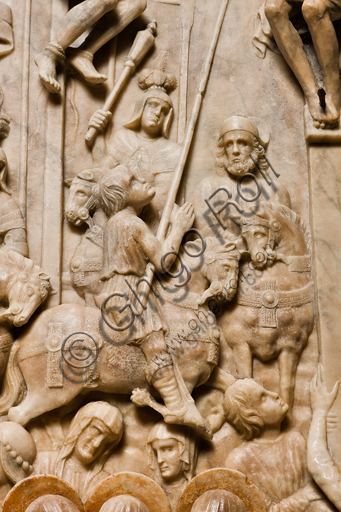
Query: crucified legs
[(318, 15), (117, 14)]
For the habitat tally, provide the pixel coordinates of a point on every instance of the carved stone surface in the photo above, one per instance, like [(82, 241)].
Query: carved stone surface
[(169, 255)]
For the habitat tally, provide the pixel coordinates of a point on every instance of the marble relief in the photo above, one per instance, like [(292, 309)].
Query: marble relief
[(169, 269)]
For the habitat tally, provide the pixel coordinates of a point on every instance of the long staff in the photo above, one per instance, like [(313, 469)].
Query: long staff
[(143, 43), (205, 73), (144, 290)]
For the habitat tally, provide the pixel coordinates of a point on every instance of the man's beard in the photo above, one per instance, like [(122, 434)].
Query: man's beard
[(246, 165)]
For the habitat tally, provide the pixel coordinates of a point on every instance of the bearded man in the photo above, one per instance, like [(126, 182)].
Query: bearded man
[(242, 178)]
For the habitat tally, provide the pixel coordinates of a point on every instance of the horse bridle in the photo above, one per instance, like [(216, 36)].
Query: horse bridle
[(273, 226)]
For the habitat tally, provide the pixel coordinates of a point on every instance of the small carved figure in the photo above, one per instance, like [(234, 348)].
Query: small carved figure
[(93, 434), (172, 454), (83, 207), (243, 178), (273, 315), (116, 14), (142, 144), (275, 462), (128, 243), (321, 466), (17, 454), (319, 15)]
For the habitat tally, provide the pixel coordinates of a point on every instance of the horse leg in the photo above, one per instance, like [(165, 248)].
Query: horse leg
[(243, 359), (40, 401), (220, 380), (287, 362)]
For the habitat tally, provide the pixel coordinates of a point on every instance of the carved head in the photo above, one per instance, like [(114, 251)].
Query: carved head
[(222, 268), (83, 195), (154, 110), (261, 231), (240, 148), (50, 502), (26, 290), (219, 500), (124, 503), (251, 408), (173, 451), (94, 432), (120, 187)]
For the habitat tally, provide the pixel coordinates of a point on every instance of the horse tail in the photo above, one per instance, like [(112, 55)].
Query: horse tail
[(13, 383)]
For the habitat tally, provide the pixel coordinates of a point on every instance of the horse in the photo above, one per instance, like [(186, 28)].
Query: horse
[(75, 350), (83, 207), (272, 314), (23, 287)]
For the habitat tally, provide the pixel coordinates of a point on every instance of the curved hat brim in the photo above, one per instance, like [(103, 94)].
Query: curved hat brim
[(25, 492), (226, 479), (129, 483)]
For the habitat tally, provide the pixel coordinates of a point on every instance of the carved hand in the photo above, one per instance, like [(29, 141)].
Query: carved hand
[(184, 218), (100, 120), (321, 399)]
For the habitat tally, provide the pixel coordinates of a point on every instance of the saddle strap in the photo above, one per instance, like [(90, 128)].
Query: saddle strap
[(272, 299)]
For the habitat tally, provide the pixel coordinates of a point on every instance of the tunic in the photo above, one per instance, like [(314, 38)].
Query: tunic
[(10, 214), (277, 467), (124, 265)]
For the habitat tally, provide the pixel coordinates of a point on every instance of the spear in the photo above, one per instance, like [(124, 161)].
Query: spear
[(144, 291), (143, 43), (205, 73)]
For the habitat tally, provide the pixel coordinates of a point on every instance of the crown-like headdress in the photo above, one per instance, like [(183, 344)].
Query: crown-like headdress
[(158, 78)]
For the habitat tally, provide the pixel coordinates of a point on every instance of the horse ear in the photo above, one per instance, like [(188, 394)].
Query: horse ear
[(68, 182)]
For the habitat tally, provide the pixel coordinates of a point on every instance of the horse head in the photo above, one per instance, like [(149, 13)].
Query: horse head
[(25, 291), (273, 232), (221, 270), (83, 196)]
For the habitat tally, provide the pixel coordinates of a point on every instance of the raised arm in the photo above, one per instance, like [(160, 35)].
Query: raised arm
[(163, 255), (100, 155), (320, 464)]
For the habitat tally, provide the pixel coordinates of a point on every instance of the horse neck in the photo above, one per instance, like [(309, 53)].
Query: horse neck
[(293, 242), (99, 218), (198, 268), (6, 274)]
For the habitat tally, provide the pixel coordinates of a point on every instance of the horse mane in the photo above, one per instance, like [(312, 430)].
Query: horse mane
[(291, 216), (16, 260)]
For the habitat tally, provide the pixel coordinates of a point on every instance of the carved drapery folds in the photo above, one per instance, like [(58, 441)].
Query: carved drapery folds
[(169, 274)]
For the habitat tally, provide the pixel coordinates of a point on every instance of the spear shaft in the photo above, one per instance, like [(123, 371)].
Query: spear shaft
[(143, 43), (144, 290), (205, 73)]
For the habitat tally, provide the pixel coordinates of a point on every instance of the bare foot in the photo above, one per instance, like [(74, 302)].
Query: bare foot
[(82, 62), (46, 62), (324, 118)]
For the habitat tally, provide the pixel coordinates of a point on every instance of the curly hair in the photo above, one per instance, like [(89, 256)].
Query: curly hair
[(239, 410), (112, 193), (257, 155)]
